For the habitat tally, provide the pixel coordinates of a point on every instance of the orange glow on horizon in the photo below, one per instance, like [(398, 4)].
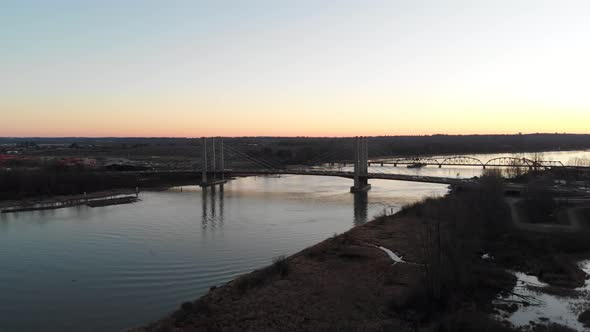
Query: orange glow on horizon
[(258, 69), (161, 118)]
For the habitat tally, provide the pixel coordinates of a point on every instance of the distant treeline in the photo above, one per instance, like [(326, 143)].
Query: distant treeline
[(302, 150), (445, 144), (295, 150), (26, 183)]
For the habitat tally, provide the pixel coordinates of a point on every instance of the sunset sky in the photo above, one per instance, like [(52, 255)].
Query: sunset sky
[(317, 68)]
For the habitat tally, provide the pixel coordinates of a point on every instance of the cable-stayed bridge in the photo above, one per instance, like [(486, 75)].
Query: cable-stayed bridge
[(221, 161)]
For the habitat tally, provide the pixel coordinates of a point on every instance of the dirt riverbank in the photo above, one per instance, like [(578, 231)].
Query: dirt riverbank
[(429, 275), (345, 283), (58, 199)]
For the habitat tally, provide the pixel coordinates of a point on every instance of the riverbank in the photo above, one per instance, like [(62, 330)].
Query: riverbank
[(440, 265), (45, 183), (103, 197), (343, 283), (51, 202)]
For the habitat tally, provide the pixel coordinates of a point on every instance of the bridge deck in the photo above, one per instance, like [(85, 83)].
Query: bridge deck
[(350, 175), (344, 174)]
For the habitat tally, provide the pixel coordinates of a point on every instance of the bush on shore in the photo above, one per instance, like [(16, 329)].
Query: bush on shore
[(55, 180), (453, 233), (258, 278)]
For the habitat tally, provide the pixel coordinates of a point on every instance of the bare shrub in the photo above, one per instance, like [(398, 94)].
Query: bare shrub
[(258, 278), (452, 234), (280, 264), (539, 204)]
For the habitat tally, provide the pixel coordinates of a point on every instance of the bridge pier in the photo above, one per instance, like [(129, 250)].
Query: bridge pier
[(361, 166), (361, 185), (360, 208)]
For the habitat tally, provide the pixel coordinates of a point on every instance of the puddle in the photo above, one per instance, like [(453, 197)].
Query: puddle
[(563, 309)]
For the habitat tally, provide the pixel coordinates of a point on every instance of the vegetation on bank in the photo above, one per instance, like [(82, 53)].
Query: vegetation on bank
[(446, 282), (453, 235), (258, 278), (27, 183), (51, 181)]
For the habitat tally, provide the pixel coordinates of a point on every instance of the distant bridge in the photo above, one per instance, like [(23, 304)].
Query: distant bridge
[(470, 162), (213, 170)]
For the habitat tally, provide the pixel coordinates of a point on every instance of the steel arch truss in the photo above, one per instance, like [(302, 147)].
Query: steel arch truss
[(522, 162), (461, 161)]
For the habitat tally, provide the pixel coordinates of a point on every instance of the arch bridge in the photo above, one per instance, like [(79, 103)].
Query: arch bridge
[(470, 162)]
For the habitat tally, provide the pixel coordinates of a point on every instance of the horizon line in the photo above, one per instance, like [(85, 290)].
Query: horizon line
[(295, 136)]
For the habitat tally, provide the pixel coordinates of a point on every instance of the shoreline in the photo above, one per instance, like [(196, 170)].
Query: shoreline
[(266, 291), (158, 185), (114, 196), (62, 201), (60, 198), (375, 277), (381, 264)]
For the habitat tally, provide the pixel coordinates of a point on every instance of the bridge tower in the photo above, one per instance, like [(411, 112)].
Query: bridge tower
[(213, 168), (221, 161), (216, 174), (361, 165), (204, 161)]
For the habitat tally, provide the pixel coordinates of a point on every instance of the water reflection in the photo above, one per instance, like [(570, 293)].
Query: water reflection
[(361, 208), (204, 198), (212, 206), (169, 248), (221, 194)]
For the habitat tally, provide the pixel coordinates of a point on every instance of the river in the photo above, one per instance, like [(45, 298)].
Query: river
[(111, 268)]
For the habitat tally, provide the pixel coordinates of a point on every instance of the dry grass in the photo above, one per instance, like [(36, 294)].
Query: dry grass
[(258, 278)]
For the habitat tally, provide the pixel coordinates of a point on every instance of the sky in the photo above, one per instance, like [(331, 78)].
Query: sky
[(293, 68)]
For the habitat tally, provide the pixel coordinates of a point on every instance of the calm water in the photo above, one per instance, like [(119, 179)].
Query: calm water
[(563, 309), (108, 268)]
